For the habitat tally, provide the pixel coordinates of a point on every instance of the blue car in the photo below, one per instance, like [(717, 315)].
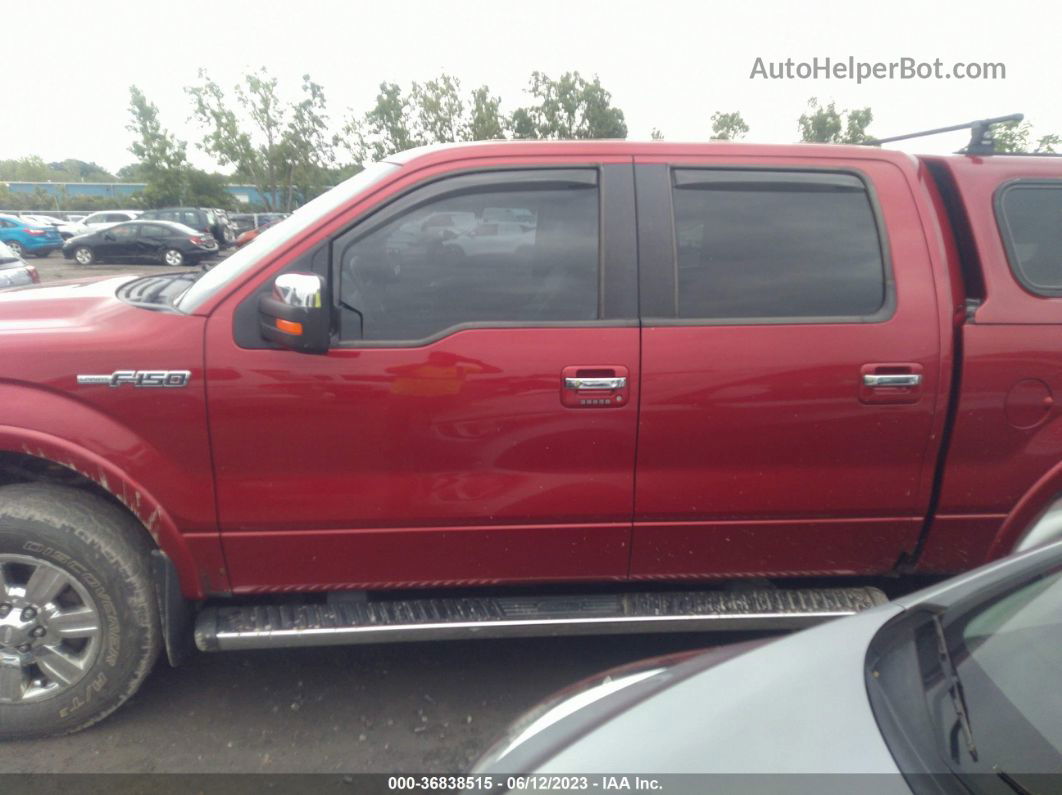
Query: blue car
[(23, 237)]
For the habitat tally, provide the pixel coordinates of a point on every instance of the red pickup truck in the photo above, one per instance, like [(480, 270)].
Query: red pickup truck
[(527, 388)]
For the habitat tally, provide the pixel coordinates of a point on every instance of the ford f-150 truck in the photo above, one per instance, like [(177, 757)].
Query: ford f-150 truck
[(530, 388)]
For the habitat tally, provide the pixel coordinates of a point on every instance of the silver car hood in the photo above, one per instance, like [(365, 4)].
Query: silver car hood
[(797, 705)]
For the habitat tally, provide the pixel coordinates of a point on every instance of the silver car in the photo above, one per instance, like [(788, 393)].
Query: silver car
[(14, 272), (956, 688)]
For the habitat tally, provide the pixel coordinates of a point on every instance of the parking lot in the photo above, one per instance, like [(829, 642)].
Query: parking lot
[(419, 707), (55, 267)]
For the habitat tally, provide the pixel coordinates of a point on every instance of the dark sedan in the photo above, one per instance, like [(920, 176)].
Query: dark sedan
[(159, 241)]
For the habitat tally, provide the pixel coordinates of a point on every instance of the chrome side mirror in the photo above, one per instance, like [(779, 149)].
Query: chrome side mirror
[(298, 314)]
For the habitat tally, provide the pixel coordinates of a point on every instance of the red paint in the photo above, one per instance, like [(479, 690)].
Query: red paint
[(734, 451)]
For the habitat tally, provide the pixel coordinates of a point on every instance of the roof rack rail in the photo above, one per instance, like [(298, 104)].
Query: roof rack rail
[(981, 141)]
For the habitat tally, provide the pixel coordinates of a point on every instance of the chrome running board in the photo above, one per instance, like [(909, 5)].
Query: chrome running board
[(274, 626)]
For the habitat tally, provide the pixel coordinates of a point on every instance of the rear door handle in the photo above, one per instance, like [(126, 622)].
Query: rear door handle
[(892, 379), (619, 382)]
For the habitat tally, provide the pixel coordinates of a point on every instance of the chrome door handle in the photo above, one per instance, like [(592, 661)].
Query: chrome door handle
[(892, 379), (595, 383)]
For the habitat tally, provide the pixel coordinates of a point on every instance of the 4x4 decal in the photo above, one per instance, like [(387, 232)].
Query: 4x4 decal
[(163, 378)]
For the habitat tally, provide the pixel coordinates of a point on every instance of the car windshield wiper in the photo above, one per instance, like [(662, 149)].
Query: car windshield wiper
[(1012, 782), (958, 699)]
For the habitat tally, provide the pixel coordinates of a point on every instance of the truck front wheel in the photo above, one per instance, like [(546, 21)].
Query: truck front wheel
[(79, 626)]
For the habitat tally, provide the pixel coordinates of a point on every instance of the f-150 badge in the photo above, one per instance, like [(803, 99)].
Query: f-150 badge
[(163, 378)]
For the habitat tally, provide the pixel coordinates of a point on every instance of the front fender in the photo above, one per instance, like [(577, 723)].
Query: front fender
[(155, 460)]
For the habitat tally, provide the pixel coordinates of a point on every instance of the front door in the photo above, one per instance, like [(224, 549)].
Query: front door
[(790, 369), (474, 421), (118, 242)]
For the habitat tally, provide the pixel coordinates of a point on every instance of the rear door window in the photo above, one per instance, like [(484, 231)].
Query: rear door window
[(776, 245), (1029, 214)]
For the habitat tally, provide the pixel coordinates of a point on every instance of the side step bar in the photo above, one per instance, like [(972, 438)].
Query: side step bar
[(274, 626)]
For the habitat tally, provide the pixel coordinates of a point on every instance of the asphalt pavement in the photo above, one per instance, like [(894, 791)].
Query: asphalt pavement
[(55, 267), (401, 708)]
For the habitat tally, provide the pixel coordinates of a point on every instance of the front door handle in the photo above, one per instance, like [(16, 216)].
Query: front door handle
[(595, 386), (891, 382), (619, 382), (892, 379)]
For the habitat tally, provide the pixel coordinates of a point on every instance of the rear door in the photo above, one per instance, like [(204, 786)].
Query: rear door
[(474, 421), (790, 368)]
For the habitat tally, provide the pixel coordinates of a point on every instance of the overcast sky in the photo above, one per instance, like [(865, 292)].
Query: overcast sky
[(668, 64)]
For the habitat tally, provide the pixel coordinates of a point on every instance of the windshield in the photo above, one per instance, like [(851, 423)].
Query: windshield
[(298, 223), (1008, 656)]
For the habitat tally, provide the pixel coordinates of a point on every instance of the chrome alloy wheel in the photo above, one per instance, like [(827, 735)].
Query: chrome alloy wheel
[(49, 630), (173, 257), (83, 256)]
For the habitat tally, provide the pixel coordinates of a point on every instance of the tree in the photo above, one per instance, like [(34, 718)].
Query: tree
[(26, 169), (73, 170), (487, 122), (208, 190), (388, 126), (281, 148), (163, 160), (440, 111), (656, 135), (728, 126), (825, 124), (429, 113), (309, 150), (570, 107), (1015, 136)]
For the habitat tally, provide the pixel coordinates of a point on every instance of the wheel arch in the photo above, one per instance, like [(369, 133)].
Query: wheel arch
[(35, 453), (1040, 505)]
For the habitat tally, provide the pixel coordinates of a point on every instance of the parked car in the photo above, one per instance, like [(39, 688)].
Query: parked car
[(162, 241), (101, 220), (956, 688), (66, 229), (24, 237), (248, 235), (228, 226), (13, 271), (246, 221), (718, 368), (203, 219)]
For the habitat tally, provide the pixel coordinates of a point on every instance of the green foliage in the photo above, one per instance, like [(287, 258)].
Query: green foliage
[(163, 159), (656, 135), (440, 111), (728, 126), (567, 108), (487, 122), (429, 113), (825, 124), (281, 148), (34, 169), (1015, 137)]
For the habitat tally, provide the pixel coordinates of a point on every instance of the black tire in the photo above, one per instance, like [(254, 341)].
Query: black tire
[(42, 254), (105, 551), (83, 255)]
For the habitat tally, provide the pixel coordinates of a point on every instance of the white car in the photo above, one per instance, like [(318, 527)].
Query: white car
[(107, 218), (67, 229)]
